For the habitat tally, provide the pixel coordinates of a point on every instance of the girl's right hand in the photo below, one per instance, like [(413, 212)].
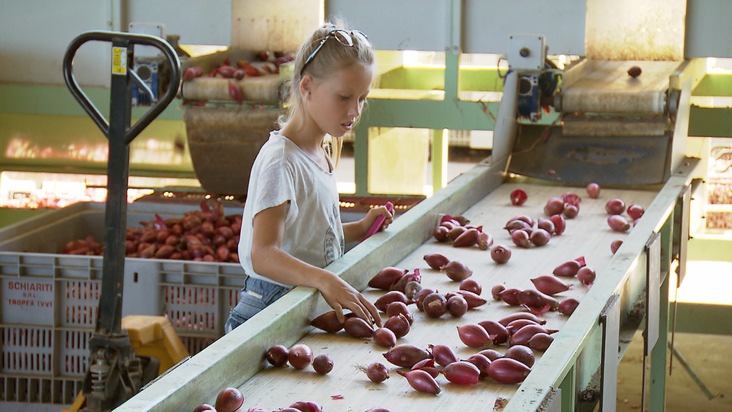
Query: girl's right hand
[(340, 295)]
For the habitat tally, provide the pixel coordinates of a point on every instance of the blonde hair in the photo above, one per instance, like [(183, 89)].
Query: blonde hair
[(332, 56)]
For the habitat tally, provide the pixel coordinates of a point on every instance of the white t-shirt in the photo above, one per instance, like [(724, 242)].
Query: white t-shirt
[(313, 230)]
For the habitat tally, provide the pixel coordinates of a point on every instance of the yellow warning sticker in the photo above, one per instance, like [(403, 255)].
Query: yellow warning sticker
[(119, 60)]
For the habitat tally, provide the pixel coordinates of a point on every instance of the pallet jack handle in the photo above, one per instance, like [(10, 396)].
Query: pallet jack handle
[(114, 373)]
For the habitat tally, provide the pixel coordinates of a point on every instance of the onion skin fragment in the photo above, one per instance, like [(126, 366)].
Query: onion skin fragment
[(421, 381), (406, 355), (461, 373), (508, 371)]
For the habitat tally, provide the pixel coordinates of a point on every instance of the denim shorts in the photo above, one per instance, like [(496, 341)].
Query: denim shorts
[(256, 295)]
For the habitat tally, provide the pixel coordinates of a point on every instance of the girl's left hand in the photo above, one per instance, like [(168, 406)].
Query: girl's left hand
[(374, 213)]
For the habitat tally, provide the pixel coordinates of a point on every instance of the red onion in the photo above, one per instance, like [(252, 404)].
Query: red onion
[(401, 284), (536, 301), (419, 298), (635, 211), (517, 224), (397, 324), (443, 355), (586, 275), (386, 277), (550, 285), (570, 211), (406, 355), (520, 238), (507, 370), (522, 336), (395, 308), (328, 322), (500, 254), (615, 245), (300, 355), (518, 324), (457, 271), (554, 205), (498, 333), (474, 336), (510, 296), (546, 224), (204, 407), (421, 381), (491, 354), (377, 372), (457, 306), (615, 206), (229, 400), (568, 268), (389, 297), (567, 306), (461, 373), (467, 238), (472, 299), (276, 355), (540, 237), (427, 365), (618, 223), (441, 234), (434, 305), (518, 197), (560, 224), (385, 337), (521, 353), (541, 341), (358, 328), (481, 362), (593, 190), (436, 260), (471, 285), (323, 364), (304, 406)]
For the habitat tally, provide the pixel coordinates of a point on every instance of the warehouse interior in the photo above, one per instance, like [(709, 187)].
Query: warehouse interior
[(472, 102)]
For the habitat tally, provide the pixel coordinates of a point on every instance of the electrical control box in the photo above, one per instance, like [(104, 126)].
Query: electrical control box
[(526, 52)]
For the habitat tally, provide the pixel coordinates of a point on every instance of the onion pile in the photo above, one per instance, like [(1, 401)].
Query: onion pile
[(456, 229), (200, 235)]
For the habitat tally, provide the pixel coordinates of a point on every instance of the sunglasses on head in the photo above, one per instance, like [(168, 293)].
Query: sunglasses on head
[(344, 37)]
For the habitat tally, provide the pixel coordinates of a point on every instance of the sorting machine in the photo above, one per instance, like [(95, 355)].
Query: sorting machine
[(623, 132)]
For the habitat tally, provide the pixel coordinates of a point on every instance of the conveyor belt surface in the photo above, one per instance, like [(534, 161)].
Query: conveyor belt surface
[(346, 388)]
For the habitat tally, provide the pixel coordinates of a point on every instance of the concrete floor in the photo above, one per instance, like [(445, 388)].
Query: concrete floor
[(708, 358)]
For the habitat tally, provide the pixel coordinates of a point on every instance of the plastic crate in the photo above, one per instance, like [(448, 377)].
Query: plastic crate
[(49, 300)]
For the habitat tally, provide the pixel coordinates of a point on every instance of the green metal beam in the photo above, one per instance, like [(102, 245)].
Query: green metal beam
[(710, 121)]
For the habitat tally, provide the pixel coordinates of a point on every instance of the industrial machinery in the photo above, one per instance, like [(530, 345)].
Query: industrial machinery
[(115, 371)]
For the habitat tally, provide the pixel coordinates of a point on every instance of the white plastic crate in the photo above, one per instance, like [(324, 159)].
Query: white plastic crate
[(49, 300)]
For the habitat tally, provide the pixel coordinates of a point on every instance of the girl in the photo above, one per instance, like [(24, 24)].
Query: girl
[(291, 226)]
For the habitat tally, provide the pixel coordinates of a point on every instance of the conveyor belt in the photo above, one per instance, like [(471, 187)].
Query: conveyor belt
[(588, 235)]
